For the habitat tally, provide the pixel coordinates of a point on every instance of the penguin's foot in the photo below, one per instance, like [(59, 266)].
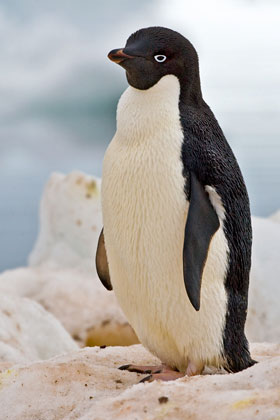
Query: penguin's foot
[(144, 369), (161, 372), (192, 369), (167, 375)]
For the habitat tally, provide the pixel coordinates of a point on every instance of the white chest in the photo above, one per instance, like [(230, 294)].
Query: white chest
[(144, 214), (143, 187)]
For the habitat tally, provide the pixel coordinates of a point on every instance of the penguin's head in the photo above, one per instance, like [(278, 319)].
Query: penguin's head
[(151, 53)]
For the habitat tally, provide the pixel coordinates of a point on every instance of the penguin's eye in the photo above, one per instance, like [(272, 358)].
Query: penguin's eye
[(160, 58)]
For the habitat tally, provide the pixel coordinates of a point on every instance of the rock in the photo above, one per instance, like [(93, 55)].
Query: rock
[(29, 333), (87, 385), (264, 309), (62, 275)]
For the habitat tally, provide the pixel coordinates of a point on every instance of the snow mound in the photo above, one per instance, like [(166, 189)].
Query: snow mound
[(29, 333), (275, 216), (70, 222), (87, 385), (61, 275), (264, 291)]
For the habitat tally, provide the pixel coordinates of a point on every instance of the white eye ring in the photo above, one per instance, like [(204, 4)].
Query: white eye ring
[(160, 58)]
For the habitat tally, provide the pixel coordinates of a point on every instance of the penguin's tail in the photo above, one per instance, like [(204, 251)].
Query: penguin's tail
[(239, 360)]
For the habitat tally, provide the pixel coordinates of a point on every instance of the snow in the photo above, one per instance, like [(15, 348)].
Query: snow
[(29, 333), (61, 274), (87, 385), (264, 309), (275, 216), (70, 222)]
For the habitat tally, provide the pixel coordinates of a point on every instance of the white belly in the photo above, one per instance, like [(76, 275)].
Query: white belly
[(144, 215)]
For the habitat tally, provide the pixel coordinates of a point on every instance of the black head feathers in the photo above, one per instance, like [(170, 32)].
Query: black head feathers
[(151, 53)]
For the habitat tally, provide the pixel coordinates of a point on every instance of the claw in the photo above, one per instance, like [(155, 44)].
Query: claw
[(124, 367), (146, 379), (163, 372), (142, 369), (163, 376)]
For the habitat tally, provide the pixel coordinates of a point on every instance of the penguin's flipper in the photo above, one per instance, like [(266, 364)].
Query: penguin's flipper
[(101, 263), (202, 223)]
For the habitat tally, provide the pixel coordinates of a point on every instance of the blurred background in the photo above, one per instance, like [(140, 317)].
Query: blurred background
[(59, 93)]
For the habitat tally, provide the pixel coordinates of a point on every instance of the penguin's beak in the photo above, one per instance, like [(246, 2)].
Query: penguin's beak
[(117, 56)]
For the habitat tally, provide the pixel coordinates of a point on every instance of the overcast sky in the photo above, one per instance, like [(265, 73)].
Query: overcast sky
[(59, 92)]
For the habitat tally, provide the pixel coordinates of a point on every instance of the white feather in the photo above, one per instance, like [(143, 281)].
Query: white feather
[(144, 214)]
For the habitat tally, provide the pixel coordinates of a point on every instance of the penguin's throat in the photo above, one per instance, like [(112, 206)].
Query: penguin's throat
[(143, 113)]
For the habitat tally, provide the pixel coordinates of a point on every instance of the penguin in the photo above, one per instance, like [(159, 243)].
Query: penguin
[(176, 240)]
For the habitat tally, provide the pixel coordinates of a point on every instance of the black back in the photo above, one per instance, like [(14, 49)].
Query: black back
[(206, 152)]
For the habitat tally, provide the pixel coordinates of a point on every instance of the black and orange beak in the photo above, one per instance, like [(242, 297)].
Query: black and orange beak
[(117, 56)]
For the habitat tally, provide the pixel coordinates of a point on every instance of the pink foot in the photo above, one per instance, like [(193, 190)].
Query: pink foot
[(162, 372), (168, 375), (192, 369), (142, 369)]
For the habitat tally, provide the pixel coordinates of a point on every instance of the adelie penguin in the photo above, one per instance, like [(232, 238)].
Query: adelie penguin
[(176, 243)]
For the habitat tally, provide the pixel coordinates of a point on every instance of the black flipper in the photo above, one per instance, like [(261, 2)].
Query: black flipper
[(202, 223), (101, 263)]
